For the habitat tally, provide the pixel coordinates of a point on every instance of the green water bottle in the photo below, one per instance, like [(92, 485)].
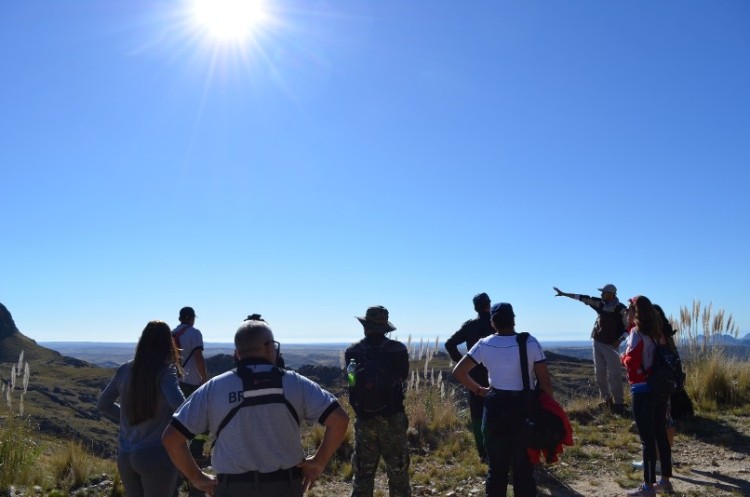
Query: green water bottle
[(351, 375)]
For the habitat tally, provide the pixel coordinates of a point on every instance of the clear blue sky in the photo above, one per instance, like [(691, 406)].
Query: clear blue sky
[(350, 153)]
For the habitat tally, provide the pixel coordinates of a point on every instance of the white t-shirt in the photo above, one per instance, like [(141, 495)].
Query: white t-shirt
[(190, 342), (500, 355)]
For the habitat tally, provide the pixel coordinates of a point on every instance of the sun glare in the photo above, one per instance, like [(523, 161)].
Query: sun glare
[(230, 20)]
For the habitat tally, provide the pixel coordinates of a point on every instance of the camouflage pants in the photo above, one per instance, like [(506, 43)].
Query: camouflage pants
[(373, 438)]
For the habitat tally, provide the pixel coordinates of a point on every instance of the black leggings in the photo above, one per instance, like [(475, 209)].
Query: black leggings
[(649, 412)]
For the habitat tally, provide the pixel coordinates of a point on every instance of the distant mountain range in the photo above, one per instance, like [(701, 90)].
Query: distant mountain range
[(725, 339)]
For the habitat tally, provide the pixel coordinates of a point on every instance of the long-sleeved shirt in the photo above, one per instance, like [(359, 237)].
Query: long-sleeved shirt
[(470, 333), (611, 321), (146, 433)]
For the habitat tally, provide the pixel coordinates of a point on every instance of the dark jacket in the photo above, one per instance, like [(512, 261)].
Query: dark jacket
[(470, 333)]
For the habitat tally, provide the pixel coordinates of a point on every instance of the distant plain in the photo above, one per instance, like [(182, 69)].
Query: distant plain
[(112, 354)]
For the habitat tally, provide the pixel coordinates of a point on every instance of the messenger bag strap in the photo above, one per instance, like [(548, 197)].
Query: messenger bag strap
[(521, 338)]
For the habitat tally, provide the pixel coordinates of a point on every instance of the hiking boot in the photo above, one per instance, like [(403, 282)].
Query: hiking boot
[(643, 490), (618, 409), (663, 487), (606, 405)]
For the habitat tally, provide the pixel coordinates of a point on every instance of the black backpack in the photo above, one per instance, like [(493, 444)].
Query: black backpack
[(667, 376), (374, 390)]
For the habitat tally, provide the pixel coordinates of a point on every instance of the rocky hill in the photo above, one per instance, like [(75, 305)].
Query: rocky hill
[(12, 342), (62, 391)]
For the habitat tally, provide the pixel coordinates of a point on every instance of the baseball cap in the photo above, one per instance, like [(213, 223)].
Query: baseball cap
[(502, 312), (608, 288)]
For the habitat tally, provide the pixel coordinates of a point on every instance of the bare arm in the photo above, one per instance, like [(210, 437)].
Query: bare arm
[(542, 376), (176, 445), (461, 373), (200, 363), (312, 467)]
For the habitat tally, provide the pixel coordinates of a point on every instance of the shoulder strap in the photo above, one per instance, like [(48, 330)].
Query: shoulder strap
[(521, 338), (176, 337), (177, 334), (254, 394), (190, 356)]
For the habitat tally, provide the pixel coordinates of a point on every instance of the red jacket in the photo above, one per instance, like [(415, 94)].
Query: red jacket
[(551, 405), (638, 358)]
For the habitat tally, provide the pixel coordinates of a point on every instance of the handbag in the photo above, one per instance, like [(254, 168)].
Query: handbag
[(540, 429)]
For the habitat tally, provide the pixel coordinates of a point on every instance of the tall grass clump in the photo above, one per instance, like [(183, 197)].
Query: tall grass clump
[(714, 377), (431, 404), (72, 467), (18, 452), (700, 330)]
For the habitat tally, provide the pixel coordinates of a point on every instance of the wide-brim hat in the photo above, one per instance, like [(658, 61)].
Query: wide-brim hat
[(376, 319)]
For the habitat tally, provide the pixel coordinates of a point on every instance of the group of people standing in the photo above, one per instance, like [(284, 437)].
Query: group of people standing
[(491, 372), (645, 327), (254, 411)]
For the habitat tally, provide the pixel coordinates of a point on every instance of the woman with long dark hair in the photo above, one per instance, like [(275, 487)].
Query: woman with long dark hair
[(149, 392), (649, 408)]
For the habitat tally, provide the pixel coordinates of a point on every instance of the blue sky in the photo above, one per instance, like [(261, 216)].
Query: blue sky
[(352, 153)]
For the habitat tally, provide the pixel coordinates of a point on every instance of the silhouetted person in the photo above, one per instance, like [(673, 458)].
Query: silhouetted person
[(470, 333), (610, 329), (378, 402)]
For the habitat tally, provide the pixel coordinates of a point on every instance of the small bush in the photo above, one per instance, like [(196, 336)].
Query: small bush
[(717, 381), (72, 466)]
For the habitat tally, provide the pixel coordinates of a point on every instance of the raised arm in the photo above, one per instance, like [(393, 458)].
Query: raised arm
[(560, 293)]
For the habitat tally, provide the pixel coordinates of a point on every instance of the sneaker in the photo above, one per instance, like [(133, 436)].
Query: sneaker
[(663, 487), (643, 490)]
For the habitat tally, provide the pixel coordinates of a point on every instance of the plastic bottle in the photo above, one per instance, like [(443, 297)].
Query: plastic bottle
[(351, 372)]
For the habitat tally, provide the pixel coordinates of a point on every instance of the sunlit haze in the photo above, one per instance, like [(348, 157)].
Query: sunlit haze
[(229, 20)]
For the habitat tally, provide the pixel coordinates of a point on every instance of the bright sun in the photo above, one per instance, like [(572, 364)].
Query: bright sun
[(229, 20)]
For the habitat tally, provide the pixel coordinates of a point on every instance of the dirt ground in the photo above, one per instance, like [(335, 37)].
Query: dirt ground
[(702, 470)]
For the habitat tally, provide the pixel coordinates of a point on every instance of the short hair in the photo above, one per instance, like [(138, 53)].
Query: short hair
[(251, 336), (481, 301)]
